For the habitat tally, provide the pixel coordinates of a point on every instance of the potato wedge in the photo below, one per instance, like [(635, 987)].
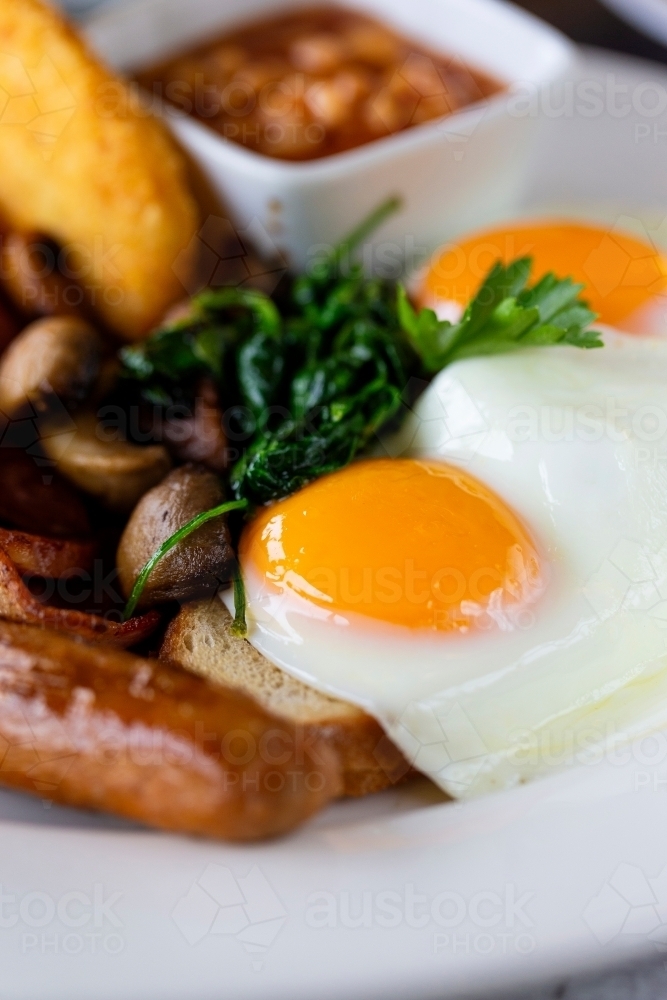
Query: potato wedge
[(82, 163)]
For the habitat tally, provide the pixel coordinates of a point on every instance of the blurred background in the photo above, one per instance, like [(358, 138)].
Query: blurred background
[(586, 21), (591, 23)]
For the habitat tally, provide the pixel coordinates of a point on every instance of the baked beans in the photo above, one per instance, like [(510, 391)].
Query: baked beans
[(315, 82)]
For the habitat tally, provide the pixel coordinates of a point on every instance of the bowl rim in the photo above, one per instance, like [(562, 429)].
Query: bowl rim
[(335, 164), (217, 147)]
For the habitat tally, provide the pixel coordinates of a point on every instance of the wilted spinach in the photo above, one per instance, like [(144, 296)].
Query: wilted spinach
[(317, 378), (319, 369)]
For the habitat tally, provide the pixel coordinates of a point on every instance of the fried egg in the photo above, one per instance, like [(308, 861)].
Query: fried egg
[(492, 587), (625, 278)]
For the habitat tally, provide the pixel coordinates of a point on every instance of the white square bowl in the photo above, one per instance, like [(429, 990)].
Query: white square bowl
[(452, 173)]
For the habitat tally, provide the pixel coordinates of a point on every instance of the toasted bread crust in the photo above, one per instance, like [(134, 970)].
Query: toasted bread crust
[(199, 640)]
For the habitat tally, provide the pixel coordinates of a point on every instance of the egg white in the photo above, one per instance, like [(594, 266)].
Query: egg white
[(575, 442)]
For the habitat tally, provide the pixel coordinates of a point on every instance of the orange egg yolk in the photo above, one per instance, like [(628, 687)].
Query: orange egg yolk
[(621, 274), (415, 543)]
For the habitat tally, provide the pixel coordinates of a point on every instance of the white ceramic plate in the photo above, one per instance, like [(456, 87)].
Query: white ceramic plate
[(400, 895), (650, 16)]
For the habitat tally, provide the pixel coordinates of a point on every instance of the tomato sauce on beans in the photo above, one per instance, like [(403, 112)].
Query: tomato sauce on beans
[(314, 82)]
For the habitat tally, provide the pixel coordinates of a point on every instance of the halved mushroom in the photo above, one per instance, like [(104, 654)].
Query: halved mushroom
[(54, 358), (116, 472), (195, 566)]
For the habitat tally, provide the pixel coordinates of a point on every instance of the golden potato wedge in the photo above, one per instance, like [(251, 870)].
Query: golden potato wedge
[(83, 162)]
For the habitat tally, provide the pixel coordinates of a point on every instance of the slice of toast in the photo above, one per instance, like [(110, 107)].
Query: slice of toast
[(199, 640)]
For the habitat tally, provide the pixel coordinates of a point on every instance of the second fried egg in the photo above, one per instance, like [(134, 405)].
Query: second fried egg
[(624, 278)]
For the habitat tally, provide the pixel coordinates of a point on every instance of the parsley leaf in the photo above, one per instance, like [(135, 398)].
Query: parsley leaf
[(505, 315)]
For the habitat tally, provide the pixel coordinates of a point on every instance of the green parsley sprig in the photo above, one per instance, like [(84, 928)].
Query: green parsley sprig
[(505, 315)]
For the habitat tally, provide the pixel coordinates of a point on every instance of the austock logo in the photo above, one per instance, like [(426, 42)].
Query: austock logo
[(449, 744), (221, 903), (23, 752), (71, 923), (633, 578), (226, 255), (39, 101), (629, 905), (487, 922)]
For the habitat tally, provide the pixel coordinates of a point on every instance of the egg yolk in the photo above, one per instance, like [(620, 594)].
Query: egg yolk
[(415, 543), (621, 274)]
